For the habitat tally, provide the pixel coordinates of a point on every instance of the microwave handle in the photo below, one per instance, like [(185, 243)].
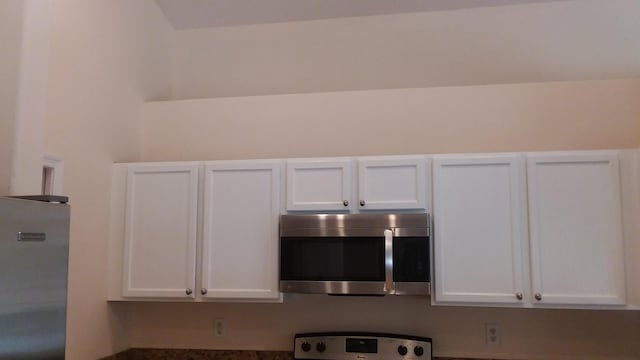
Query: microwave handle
[(389, 288)]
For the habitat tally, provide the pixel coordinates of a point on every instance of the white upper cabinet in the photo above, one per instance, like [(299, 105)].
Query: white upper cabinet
[(576, 228), (384, 183), (240, 238), (390, 183), (521, 230), (319, 184), (160, 230), (480, 231)]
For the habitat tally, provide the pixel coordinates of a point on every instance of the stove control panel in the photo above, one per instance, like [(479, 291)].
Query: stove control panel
[(361, 346)]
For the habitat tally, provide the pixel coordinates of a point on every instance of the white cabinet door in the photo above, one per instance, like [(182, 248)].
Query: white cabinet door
[(160, 230), (389, 183), (479, 228), (576, 228), (319, 184), (240, 239)]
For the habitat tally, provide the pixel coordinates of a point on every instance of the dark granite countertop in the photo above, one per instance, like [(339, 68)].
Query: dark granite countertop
[(191, 354)]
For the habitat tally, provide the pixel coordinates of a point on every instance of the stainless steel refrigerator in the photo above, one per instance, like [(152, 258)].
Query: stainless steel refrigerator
[(34, 251)]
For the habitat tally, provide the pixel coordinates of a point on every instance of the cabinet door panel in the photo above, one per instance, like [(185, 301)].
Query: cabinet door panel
[(392, 183), (576, 228), (319, 184), (479, 233), (160, 230), (240, 242)]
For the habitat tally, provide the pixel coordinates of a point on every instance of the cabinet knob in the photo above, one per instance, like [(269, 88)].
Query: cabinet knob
[(538, 296), (345, 203), (188, 292), (362, 203), (203, 291), (519, 296)]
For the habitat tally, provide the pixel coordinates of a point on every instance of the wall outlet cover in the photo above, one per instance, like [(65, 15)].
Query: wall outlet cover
[(218, 327), (492, 334)]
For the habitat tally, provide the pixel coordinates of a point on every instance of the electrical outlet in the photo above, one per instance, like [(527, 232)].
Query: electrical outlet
[(492, 334), (218, 327)]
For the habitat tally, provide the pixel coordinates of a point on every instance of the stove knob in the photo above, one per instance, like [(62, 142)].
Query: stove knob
[(306, 346), (418, 350), (321, 347), (402, 350)]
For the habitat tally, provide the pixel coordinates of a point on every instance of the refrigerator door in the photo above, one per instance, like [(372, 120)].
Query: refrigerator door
[(34, 250)]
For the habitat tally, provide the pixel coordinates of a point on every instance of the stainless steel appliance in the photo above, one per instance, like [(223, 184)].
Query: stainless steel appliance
[(34, 248), (355, 254), (361, 346)]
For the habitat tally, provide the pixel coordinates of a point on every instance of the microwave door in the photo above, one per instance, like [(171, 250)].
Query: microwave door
[(333, 264)]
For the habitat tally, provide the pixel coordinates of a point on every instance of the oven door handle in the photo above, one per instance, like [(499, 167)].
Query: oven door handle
[(389, 287)]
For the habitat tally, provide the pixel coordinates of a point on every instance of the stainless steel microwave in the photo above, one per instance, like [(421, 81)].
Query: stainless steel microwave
[(355, 254)]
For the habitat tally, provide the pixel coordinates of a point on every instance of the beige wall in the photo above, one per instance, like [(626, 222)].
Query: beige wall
[(31, 109), (563, 40), (521, 117), (526, 333), (11, 17), (107, 57), (25, 35), (100, 75)]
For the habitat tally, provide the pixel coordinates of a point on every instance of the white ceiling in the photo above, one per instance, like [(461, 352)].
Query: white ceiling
[(192, 14)]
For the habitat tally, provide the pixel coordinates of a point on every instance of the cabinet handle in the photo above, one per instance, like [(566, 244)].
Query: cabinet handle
[(203, 291), (519, 296), (538, 296), (345, 203), (188, 292), (362, 203)]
